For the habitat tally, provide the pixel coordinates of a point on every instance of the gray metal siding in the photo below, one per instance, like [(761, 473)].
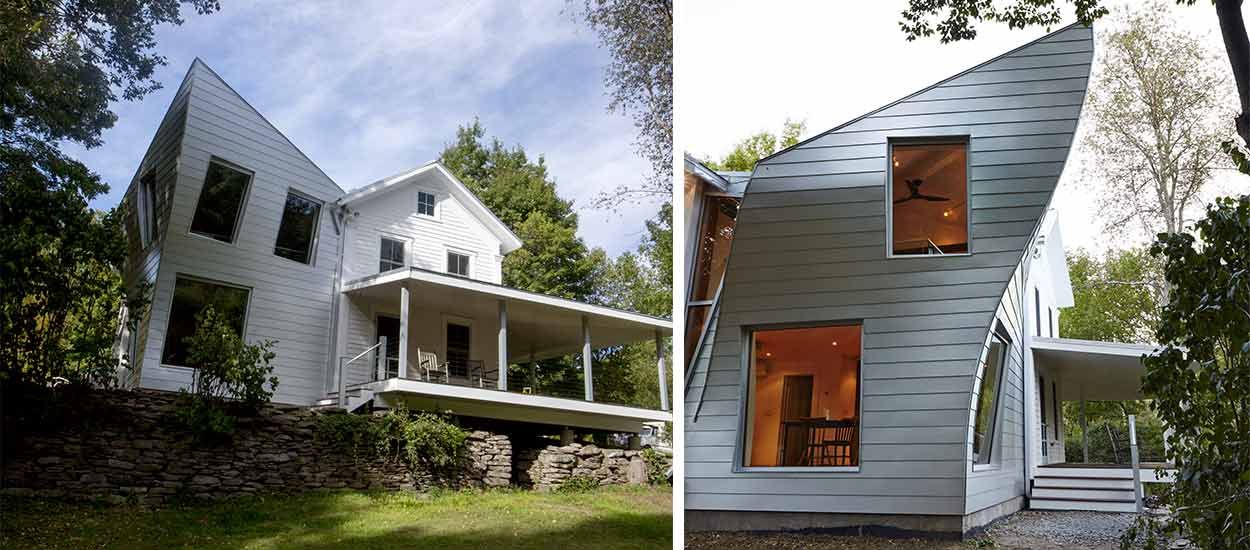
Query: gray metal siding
[(810, 246), (290, 302)]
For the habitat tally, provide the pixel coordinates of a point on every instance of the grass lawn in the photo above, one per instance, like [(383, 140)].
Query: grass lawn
[(613, 517)]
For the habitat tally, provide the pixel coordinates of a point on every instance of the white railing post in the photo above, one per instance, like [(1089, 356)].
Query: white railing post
[(1132, 442), (381, 358), (403, 332), (342, 396), (502, 351), (659, 361), (586, 356)]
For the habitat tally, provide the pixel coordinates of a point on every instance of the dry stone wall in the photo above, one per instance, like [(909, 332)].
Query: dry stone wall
[(547, 468)]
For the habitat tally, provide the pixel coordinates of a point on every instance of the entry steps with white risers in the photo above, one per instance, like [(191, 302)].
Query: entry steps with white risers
[(1092, 489), (356, 398)]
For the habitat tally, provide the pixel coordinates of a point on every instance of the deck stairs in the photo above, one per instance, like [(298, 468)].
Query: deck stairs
[(357, 397), (1092, 489)]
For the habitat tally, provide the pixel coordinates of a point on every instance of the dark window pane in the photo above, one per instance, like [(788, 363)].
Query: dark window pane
[(458, 264), (696, 318), (190, 297), (803, 399), (987, 402), (392, 254), (298, 227), (929, 198), (153, 203), (716, 232), (221, 200), (425, 203)]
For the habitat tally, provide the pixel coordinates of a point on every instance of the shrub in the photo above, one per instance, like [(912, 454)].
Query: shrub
[(578, 484), (657, 469), (419, 440), (226, 369)]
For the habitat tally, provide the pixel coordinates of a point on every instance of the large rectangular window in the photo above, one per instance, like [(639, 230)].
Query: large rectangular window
[(298, 229), (392, 254), (803, 399), (987, 400), (716, 231), (221, 202), (191, 296), (929, 198)]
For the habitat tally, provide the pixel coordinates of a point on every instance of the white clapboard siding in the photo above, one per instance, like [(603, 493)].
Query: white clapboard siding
[(810, 247)]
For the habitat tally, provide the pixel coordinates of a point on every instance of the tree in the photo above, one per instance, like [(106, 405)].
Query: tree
[(755, 147), (1200, 379), (60, 262), (553, 259), (953, 20), (639, 36), (1156, 108), (1116, 297)]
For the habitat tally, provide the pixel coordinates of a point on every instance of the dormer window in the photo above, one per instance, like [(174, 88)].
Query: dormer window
[(929, 198), (425, 203)]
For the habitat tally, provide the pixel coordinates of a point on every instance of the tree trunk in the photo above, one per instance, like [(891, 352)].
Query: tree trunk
[(1233, 29)]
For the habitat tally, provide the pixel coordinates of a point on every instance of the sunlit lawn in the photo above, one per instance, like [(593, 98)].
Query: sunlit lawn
[(624, 517)]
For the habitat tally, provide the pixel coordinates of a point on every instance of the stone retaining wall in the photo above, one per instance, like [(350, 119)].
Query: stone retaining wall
[(124, 448), (546, 468)]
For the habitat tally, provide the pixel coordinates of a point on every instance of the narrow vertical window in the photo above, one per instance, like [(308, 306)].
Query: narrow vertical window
[(987, 400), (298, 229), (153, 203), (425, 203), (1050, 321), (1037, 311), (458, 264), (929, 198), (716, 231), (803, 398), (221, 202), (392, 256)]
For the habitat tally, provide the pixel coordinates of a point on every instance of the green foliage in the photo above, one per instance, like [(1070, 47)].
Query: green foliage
[(1200, 378), (418, 440), (755, 147), (952, 20), (578, 484), (207, 422), (230, 378), (657, 469), (60, 274), (1107, 426), (1116, 297)]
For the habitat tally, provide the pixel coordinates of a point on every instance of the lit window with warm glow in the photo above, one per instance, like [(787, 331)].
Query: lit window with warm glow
[(803, 399), (929, 198)]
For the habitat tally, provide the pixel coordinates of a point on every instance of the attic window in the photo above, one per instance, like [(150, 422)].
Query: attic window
[(929, 198), (221, 202), (425, 203)]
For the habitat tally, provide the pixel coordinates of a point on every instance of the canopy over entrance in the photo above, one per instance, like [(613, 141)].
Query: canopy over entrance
[(1100, 371)]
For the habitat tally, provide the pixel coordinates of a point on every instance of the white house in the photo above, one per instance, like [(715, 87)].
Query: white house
[(224, 210), (874, 336)]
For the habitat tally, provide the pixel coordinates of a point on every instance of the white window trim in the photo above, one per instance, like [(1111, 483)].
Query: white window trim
[(247, 314), (316, 236), (243, 201), (408, 253), (995, 461), (966, 140), (438, 207), (448, 251)]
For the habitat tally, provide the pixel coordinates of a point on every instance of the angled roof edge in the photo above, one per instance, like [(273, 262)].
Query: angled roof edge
[(134, 178), (921, 91), (477, 208), (198, 61), (696, 167)]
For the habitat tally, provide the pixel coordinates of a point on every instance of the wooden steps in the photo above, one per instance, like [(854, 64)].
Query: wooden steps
[(1090, 489)]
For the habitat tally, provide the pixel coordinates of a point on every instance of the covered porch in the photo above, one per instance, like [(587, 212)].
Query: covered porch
[(441, 342)]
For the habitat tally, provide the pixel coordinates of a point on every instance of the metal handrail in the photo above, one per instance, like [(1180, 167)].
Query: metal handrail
[(342, 394)]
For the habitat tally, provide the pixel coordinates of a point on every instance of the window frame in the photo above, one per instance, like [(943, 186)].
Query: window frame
[(434, 206), (468, 262), (314, 239), (243, 201), (744, 396), (994, 461), (958, 139), (404, 242), (150, 217), (169, 319)]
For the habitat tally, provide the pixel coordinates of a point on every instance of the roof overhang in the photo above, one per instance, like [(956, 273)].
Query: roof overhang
[(538, 409), (1099, 371), (509, 241), (540, 326)]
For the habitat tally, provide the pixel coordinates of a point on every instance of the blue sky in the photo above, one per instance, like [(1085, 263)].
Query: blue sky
[(369, 89)]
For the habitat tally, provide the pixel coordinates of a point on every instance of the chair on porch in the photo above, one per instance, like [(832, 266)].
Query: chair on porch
[(427, 361), (485, 378)]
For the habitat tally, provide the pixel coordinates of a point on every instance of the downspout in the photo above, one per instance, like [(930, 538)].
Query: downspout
[(339, 217)]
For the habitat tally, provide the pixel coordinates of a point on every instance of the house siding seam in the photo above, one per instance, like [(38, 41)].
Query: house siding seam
[(288, 300), (810, 246)]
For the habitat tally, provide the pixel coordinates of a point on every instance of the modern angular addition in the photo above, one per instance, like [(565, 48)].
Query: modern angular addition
[(876, 355), (388, 294)]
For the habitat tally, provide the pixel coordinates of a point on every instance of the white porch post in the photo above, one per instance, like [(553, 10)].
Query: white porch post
[(586, 372), (503, 345), (659, 361), (1084, 428), (403, 331)]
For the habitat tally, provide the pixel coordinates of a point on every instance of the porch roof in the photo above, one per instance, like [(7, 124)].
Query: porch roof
[(1104, 371), (541, 325)]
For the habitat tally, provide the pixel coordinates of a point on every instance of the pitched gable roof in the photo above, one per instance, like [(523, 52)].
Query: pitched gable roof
[(474, 205)]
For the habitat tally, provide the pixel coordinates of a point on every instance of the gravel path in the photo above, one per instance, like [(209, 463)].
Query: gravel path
[(1029, 529)]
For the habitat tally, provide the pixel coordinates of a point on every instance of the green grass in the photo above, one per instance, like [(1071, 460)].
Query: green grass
[(610, 518)]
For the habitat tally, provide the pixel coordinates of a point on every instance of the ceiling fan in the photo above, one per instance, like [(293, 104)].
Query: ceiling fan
[(914, 186)]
